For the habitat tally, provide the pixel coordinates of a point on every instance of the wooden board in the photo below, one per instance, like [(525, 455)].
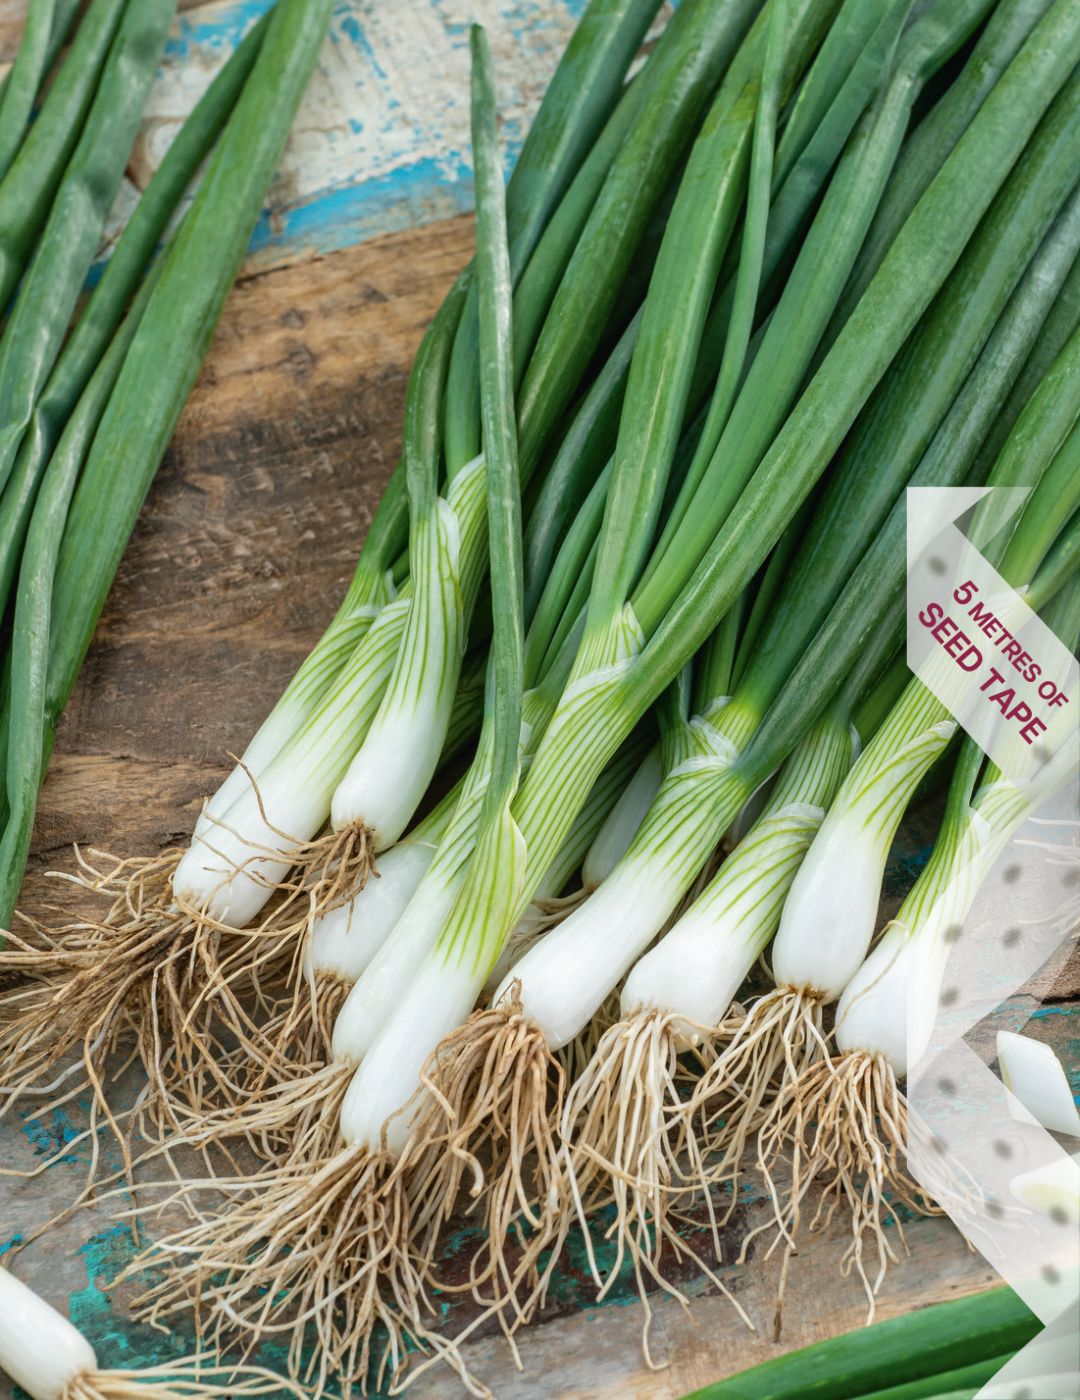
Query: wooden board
[(245, 545)]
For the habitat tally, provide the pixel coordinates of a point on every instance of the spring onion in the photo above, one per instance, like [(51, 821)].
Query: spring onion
[(639, 653), (657, 441), (922, 1345), (51, 1360), (30, 184), (595, 944)]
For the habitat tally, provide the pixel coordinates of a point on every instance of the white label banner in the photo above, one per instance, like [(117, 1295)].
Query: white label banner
[(976, 644)]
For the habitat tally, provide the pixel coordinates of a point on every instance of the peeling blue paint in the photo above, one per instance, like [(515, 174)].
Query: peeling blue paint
[(340, 218), (221, 31), (49, 1135), (366, 203), (354, 30)]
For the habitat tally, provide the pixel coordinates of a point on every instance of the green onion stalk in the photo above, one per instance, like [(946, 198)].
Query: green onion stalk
[(845, 1121), (629, 653), (30, 1032), (825, 932), (726, 138), (348, 937), (601, 706), (43, 33), (248, 833), (395, 764), (43, 308), (628, 1105), (671, 999), (600, 834), (544, 809), (1007, 28), (30, 184), (234, 864), (82, 1001), (228, 872), (349, 960), (636, 641), (133, 252), (401, 680), (700, 797), (374, 1279), (917, 1356)]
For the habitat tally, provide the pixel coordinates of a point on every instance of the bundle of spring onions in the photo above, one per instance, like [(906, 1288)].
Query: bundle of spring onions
[(640, 572)]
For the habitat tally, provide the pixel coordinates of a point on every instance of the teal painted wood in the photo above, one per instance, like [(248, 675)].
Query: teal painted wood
[(381, 142)]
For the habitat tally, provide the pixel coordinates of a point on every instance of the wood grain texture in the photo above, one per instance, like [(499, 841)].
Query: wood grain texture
[(246, 543)]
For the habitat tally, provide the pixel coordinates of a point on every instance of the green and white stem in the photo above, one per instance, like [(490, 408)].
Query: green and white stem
[(831, 911), (630, 1130), (550, 906), (387, 977), (390, 773), (622, 822), (889, 1006), (368, 593), (346, 938), (230, 873), (233, 867), (698, 966), (563, 980), (843, 1119), (446, 982), (440, 997)]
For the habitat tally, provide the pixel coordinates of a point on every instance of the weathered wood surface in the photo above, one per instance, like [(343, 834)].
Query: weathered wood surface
[(240, 555)]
